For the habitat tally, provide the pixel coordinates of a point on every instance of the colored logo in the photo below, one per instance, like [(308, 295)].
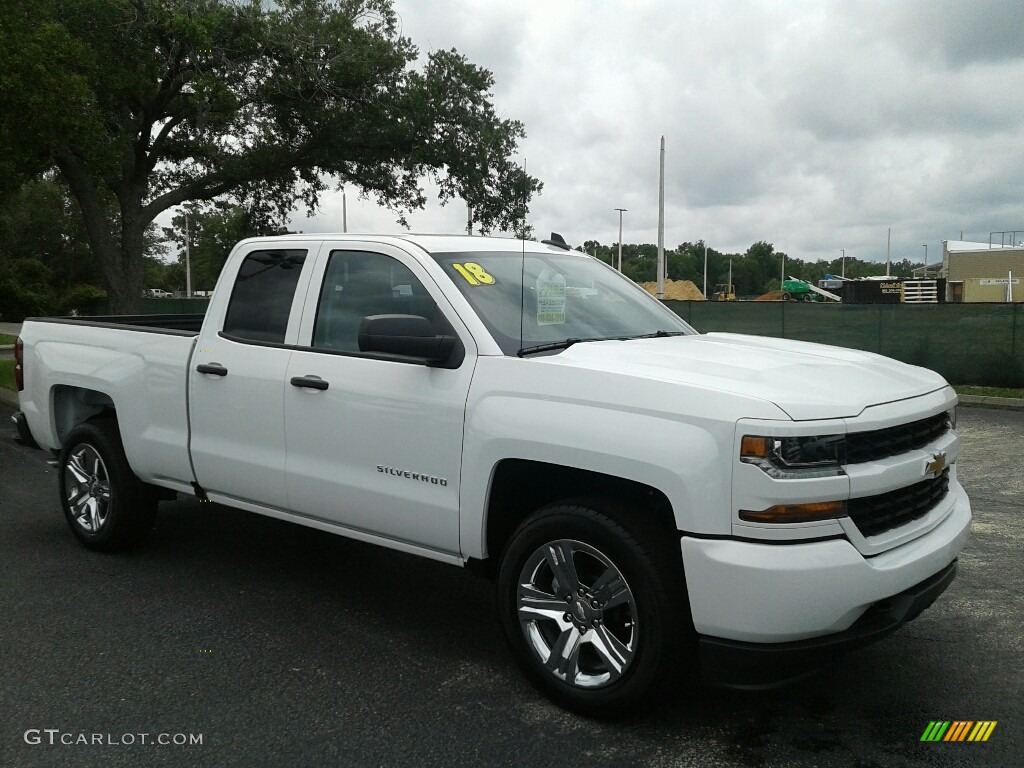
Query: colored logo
[(958, 730), (936, 465)]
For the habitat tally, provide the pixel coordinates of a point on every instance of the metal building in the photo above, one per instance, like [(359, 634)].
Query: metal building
[(990, 271)]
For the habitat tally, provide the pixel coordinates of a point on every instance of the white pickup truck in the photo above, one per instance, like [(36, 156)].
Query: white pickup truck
[(650, 500)]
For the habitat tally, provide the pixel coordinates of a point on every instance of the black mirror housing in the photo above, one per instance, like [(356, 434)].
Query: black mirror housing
[(405, 336)]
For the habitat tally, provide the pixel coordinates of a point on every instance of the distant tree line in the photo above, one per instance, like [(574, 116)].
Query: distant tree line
[(754, 272), (46, 266)]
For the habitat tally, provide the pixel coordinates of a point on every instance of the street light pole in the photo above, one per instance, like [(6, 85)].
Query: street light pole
[(925, 246), (621, 211), (844, 262)]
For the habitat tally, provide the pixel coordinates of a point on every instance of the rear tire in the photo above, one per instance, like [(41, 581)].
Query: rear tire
[(108, 508), (593, 605)]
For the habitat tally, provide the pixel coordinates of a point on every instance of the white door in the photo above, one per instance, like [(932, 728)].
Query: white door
[(375, 444), (237, 375)]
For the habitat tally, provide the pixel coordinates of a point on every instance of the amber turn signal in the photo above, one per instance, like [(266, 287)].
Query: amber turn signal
[(796, 513)]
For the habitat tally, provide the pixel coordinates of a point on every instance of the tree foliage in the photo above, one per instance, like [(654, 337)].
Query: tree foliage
[(142, 105), (755, 272)]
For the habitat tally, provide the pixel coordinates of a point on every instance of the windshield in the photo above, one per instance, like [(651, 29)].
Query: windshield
[(562, 297)]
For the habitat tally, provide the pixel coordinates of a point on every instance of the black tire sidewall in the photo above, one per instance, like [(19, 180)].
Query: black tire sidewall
[(131, 510), (657, 612)]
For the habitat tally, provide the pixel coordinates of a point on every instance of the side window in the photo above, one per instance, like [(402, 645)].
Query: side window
[(261, 298), (358, 284)]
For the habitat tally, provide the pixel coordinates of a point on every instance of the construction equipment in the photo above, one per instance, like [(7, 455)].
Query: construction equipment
[(796, 289), (724, 292)]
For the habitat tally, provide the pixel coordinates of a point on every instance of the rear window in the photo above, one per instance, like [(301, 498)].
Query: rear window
[(261, 299)]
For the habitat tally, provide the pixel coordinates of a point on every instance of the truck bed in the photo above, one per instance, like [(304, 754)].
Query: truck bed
[(183, 325)]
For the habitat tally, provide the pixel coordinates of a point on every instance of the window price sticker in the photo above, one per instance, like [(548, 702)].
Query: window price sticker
[(550, 298)]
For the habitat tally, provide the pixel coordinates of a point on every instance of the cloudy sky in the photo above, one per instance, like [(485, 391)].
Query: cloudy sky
[(813, 125)]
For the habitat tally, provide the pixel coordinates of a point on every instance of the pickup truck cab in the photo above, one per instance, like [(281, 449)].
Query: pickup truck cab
[(650, 500)]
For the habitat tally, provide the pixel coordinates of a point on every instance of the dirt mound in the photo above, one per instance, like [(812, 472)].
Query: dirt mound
[(677, 290), (772, 296)]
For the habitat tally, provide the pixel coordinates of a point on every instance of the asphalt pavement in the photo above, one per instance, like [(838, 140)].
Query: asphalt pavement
[(276, 645)]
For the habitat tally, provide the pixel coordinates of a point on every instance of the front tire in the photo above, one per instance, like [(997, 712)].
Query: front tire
[(593, 605), (107, 506)]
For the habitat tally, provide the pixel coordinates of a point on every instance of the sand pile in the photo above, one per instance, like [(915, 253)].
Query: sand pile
[(678, 290), (773, 296)]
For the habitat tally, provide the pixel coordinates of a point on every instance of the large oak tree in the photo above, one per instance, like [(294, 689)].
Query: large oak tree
[(142, 105)]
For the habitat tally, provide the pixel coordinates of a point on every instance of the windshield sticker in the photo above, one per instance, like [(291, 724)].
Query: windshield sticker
[(550, 298), (474, 273)]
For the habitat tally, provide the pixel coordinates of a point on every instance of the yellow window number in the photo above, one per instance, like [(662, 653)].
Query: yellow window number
[(474, 273)]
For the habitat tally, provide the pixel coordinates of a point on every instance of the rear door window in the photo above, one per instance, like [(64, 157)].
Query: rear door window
[(261, 298)]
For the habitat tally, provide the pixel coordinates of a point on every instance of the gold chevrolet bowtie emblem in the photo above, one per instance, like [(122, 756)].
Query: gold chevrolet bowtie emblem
[(936, 464)]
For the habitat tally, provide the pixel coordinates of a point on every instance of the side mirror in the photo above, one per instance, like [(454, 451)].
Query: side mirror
[(405, 335)]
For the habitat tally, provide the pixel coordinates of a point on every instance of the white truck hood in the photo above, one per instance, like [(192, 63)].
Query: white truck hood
[(807, 381)]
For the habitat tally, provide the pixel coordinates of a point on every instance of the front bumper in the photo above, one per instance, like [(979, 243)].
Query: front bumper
[(735, 664), (759, 608)]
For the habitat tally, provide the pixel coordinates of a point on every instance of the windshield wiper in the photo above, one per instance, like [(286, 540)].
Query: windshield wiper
[(655, 335), (566, 343), (551, 346)]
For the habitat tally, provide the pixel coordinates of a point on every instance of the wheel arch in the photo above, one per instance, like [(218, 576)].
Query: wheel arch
[(72, 406), (519, 487)]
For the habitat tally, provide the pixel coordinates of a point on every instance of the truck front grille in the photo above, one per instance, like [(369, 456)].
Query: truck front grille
[(892, 441), (876, 514)]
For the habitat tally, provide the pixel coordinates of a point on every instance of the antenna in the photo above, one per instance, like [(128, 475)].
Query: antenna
[(522, 271)]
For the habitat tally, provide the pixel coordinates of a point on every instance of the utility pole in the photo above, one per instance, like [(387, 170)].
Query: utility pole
[(661, 223), (188, 260), (344, 211), (469, 220), (705, 269), (844, 262), (621, 211), (888, 249)]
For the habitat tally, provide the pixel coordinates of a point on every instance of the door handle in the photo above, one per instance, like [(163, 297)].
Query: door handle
[(309, 382), (215, 369)]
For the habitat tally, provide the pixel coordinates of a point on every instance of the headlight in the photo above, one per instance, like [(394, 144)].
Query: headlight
[(795, 458), (951, 414)]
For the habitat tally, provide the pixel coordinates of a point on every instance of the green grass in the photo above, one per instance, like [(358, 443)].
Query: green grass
[(7, 374), (5, 339), (989, 391)]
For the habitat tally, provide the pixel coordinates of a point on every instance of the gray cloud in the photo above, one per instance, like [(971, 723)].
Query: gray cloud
[(814, 125)]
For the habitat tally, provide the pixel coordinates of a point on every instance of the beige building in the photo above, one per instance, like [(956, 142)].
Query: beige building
[(983, 271)]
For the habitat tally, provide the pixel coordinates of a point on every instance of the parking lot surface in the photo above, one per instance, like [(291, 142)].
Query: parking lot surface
[(277, 645)]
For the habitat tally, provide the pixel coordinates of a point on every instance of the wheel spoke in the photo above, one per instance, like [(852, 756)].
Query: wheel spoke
[(75, 467), (615, 654), (565, 653), (77, 494), (103, 492), (559, 558), (610, 589), (93, 506), (537, 604)]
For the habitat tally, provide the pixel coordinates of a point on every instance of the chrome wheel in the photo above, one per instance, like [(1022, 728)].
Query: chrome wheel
[(577, 613), (87, 486)]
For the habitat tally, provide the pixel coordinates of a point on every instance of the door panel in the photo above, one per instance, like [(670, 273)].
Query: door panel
[(237, 376), (380, 448)]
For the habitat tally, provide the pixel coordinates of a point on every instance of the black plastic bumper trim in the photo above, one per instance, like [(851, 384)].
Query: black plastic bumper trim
[(23, 435), (753, 666)]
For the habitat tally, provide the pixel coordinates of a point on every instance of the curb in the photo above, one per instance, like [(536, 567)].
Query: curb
[(1001, 403), (7, 397)]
